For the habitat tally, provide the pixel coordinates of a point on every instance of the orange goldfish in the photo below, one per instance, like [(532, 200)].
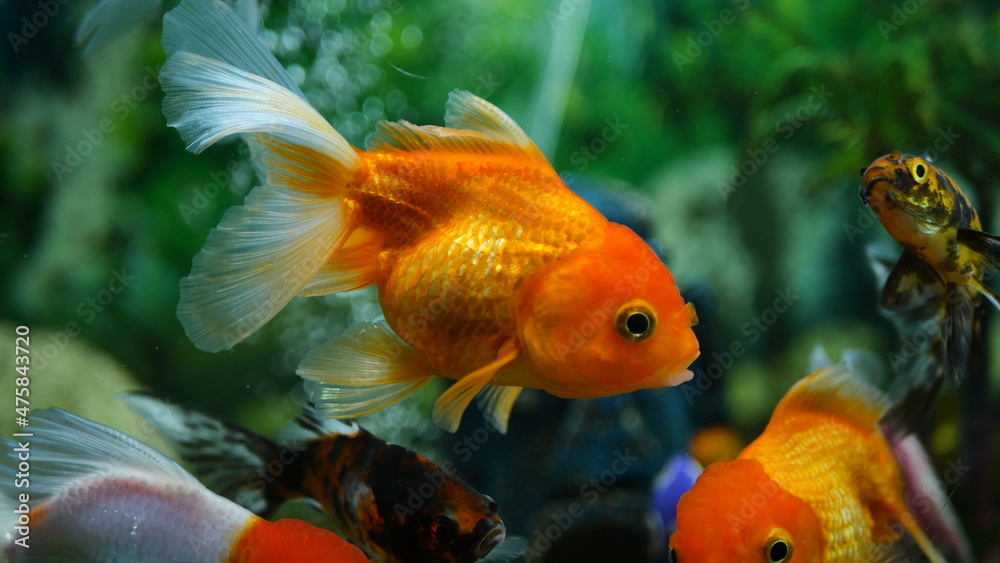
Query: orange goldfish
[(942, 273), (489, 270), (820, 484), (89, 493)]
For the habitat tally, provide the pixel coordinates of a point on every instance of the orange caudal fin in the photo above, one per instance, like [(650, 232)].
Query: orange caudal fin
[(220, 80)]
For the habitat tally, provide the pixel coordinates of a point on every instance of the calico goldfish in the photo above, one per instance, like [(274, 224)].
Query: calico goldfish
[(821, 483), (392, 502), (490, 271), (942, 273), (93, 494)]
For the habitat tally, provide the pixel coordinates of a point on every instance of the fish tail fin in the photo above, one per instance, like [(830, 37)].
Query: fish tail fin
[(310, 425), (230, 459), (941, 351), (364, 370), (67, 449), (928, 501), (283, 241)]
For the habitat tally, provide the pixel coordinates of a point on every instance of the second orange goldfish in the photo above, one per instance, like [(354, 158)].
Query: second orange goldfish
[(820, 484), (490, 271)]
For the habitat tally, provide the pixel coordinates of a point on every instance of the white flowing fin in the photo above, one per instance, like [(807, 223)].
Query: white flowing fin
[(363, 370), (211, 29), (108, 20), (207, 100), (265, 252), (257, 259), (67, 449), (450, 406), (511, 549), (496, 403)]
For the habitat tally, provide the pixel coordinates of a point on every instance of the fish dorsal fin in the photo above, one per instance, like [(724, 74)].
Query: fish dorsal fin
[(839, 391), (473, 126), (311, 426), (68, 449)]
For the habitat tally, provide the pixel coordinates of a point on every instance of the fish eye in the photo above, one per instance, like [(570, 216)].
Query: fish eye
[(778, 551), (919, 172), (492, 504), (445, 530), (673, 555), (635, 321)]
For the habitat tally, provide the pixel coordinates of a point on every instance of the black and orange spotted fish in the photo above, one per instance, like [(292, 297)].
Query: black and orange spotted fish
[(395, 504), (944, 268)]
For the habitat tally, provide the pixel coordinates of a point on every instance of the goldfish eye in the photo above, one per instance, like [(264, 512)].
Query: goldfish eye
[(445, 530), (492, 504), (635, 321), (778, 551), (673, 555), (919, 172)]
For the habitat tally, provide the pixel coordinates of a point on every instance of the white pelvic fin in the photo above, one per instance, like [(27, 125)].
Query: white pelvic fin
[(363, 370), (496, 403)]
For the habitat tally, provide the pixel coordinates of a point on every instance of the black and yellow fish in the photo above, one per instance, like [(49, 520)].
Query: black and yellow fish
[(940, 277), (394, 503)]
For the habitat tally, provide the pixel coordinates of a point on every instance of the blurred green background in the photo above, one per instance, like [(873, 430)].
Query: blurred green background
[(745, 123)]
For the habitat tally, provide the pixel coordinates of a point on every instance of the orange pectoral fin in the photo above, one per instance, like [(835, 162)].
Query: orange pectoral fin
[(452, 403)]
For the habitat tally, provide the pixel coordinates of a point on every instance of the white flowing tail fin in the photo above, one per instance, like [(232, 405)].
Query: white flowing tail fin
[(220, 80)]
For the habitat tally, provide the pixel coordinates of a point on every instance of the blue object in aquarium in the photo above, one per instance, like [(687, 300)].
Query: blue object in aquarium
[(677, 478)]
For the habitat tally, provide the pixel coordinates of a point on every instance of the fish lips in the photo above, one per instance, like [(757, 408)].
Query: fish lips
[(491, 534)]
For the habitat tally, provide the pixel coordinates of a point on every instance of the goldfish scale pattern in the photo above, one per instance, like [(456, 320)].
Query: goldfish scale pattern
[(830, 468)]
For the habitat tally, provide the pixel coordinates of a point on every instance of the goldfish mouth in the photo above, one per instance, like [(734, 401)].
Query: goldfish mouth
[(492, 539), (866, 189)]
